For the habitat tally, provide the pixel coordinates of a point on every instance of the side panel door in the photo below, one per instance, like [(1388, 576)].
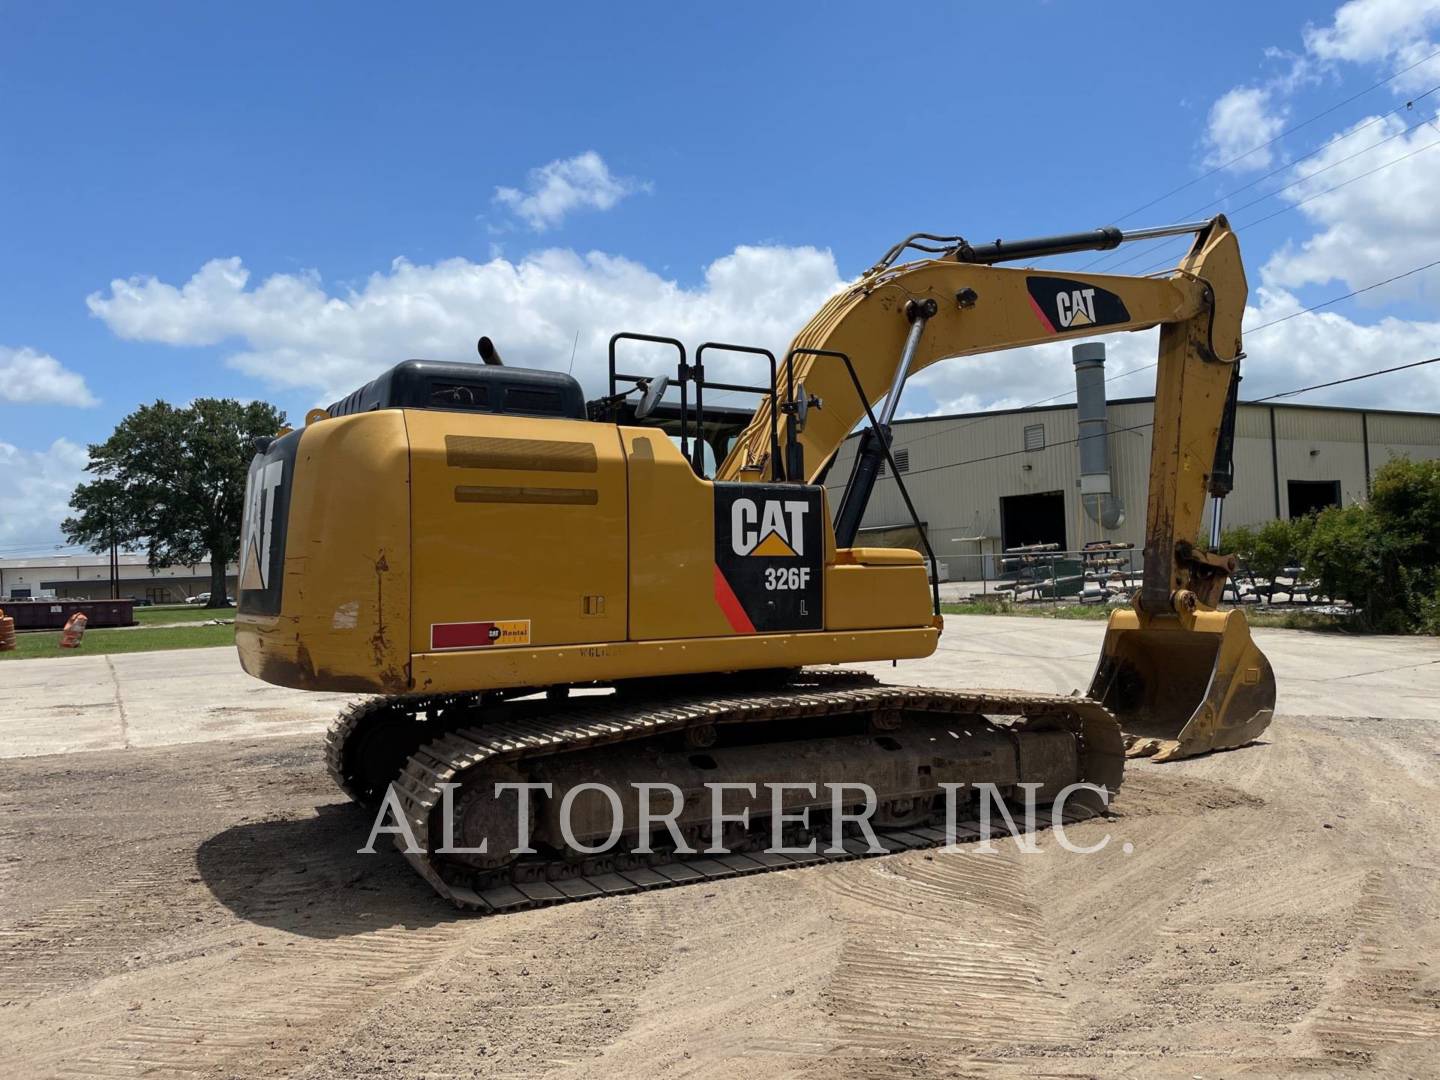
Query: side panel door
[(519, 532), (672, 543), (719, 559)]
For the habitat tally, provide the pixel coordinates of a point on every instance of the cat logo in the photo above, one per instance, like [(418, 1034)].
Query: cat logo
[(1063, 304), (1075, 308), (774, 528)]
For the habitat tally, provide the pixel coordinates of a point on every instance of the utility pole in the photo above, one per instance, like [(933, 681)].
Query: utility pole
[(114, 558)]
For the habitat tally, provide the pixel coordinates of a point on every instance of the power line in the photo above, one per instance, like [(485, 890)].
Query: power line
[(1269, 195), (1271, 142), (1015, 453), (1147, 367), (1344, 183), (1323, 146), (1309, 198), (1294, 314), (37, 551), (1352, 378), (1337, 299), (1277, 213), (1301, 202), (1335, 164), (1140, 427)]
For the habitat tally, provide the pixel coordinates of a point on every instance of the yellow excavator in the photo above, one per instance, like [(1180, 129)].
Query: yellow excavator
[(544, 590)]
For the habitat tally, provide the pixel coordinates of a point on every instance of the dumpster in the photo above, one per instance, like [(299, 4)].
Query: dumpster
[(52, 614)]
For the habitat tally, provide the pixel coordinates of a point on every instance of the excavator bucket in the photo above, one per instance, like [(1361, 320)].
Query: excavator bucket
[(1181, 687)]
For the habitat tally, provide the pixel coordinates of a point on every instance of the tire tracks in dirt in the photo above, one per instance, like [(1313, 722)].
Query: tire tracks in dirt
[(944, 947)]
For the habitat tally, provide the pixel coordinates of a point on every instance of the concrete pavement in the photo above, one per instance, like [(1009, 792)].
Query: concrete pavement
[(1318, 674), (55, 706)]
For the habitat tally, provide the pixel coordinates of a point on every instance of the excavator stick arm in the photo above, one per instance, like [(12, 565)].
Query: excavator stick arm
[(1185, 675)]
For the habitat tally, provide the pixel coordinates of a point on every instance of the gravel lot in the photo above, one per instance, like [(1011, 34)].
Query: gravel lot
[(180, 896)]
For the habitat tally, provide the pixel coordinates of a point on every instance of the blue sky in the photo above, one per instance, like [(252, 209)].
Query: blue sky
[(709, 172)]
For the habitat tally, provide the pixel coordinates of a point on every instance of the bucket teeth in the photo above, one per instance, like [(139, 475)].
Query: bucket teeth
[(1136, 747)]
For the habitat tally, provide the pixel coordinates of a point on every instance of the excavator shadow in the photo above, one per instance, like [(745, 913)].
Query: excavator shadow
[(307, 877)]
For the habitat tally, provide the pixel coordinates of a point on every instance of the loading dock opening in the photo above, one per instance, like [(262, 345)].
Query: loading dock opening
[(1033, 519), (1312, 496)]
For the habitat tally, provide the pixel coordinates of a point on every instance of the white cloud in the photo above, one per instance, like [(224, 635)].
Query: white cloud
[(555, 190), (1009, 380), (1241, 122), (1377, 222), (1364, 31), (1323, 346), (296, 334), (1393, 33), (35, 488), (1376, 225), (30, 377)]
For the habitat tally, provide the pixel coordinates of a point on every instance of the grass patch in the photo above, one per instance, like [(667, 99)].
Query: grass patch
[(1286, 619), (174, 613), (1300, 619), (991, 605), (99, 642)]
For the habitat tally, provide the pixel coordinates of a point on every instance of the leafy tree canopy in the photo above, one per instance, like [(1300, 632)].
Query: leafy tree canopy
[(1384, 555), (171, 481)]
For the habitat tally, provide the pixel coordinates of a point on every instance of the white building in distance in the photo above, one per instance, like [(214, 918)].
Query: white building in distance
[(984, 482), (87, 577)]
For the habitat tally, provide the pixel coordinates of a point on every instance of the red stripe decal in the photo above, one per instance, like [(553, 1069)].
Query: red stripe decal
[(730, 605), (1040, 314), (462, 635)]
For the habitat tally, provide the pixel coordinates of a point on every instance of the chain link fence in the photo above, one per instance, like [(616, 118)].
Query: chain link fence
[(1099, 575)]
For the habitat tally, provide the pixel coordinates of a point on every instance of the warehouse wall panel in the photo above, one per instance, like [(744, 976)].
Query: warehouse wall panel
[(961, 502)]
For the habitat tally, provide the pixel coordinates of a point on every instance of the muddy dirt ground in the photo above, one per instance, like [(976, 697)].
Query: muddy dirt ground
[(200, 911)]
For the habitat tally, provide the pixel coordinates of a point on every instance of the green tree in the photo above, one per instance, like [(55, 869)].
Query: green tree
[(171, 481), (1343, 554), (1384, 556)]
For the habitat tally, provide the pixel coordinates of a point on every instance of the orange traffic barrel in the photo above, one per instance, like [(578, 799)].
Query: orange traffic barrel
[(7, 632), (74, 631)]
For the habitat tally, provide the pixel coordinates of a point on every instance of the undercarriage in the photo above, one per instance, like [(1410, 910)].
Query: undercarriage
[(632, 777)]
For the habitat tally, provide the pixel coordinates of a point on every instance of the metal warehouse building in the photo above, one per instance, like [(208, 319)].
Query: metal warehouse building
[(984, 482), (87, 577)]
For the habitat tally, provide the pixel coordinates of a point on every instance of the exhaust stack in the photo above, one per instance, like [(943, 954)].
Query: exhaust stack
[(1101, 504), (489, 353)]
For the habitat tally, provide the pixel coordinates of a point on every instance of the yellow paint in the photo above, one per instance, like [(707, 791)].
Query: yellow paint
[(440, 672), (529, 558), (348, 543), (672, 543), (860, 597)]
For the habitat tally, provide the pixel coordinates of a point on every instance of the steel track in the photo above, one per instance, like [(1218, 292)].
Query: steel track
[(475, 738)]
